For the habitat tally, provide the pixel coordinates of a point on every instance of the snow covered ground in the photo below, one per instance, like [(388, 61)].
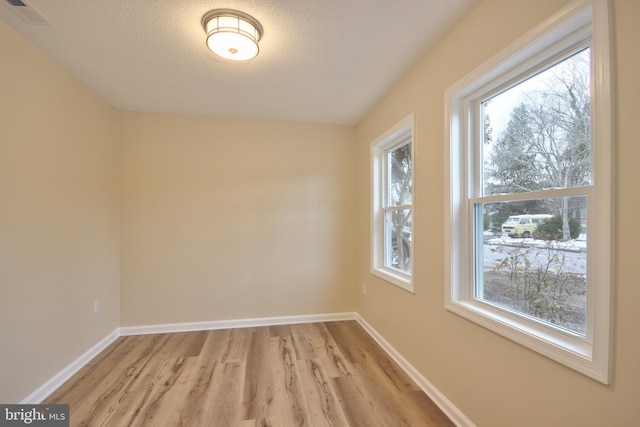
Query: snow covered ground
[(577, 245)]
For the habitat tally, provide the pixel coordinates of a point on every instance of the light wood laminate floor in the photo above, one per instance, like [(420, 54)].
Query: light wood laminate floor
[(317, 374)]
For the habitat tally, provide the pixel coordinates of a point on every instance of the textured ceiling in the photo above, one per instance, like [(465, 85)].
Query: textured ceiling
[(326, 61)]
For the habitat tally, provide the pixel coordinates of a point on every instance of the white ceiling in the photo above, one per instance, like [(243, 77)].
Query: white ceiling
[(323, 61)]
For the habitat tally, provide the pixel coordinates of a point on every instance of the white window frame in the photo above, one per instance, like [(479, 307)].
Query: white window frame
[(393, 138), (579, 22)]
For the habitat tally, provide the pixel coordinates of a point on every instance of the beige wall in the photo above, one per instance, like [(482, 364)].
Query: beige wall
[(58, 218), (227, 219), (492, 380)]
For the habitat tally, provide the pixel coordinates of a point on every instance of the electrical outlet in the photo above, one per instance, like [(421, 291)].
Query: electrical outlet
[(96, 306), (364, 289)]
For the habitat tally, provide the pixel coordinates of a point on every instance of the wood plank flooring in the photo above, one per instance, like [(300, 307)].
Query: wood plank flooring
[(317, 374)]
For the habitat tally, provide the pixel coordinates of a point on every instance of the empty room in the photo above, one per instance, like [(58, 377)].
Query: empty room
[(302, 213)]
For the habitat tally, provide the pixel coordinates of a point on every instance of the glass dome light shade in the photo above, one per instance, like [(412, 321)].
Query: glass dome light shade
[(232, 35)]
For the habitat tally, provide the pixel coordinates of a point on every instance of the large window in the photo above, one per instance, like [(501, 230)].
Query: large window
[(392, 213), (530, 191)]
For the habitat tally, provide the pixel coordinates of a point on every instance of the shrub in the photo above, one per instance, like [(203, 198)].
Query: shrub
[(551, 229)]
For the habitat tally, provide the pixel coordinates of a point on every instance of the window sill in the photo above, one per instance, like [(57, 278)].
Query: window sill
[(398, 279)]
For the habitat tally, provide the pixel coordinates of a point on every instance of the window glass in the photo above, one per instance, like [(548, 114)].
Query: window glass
[(537, 134), (398, 239), (537, 137), (529, 268), (400, 176)]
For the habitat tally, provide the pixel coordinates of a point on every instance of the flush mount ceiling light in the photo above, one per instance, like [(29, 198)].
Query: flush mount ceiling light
[(232, 34)]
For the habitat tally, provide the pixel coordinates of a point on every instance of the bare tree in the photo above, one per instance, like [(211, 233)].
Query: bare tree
[(561, 119), (401, 193)]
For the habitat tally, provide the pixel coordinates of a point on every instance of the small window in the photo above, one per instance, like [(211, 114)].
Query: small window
[(530, 191), (392, 212)]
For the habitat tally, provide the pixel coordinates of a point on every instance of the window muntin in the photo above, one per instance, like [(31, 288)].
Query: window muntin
[(581, 24), (392, 214)]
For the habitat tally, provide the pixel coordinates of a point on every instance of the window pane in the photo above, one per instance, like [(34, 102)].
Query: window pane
[(537, 134), (397, 252), (535, 263), (400, 176)]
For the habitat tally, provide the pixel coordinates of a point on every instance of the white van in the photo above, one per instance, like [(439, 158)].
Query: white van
[(523, 225)]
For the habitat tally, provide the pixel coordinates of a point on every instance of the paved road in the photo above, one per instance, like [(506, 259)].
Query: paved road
[(574, 262)]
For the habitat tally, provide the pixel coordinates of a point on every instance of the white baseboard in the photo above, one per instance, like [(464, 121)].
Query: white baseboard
[(458, 418), (238, 323), (58, 379)]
